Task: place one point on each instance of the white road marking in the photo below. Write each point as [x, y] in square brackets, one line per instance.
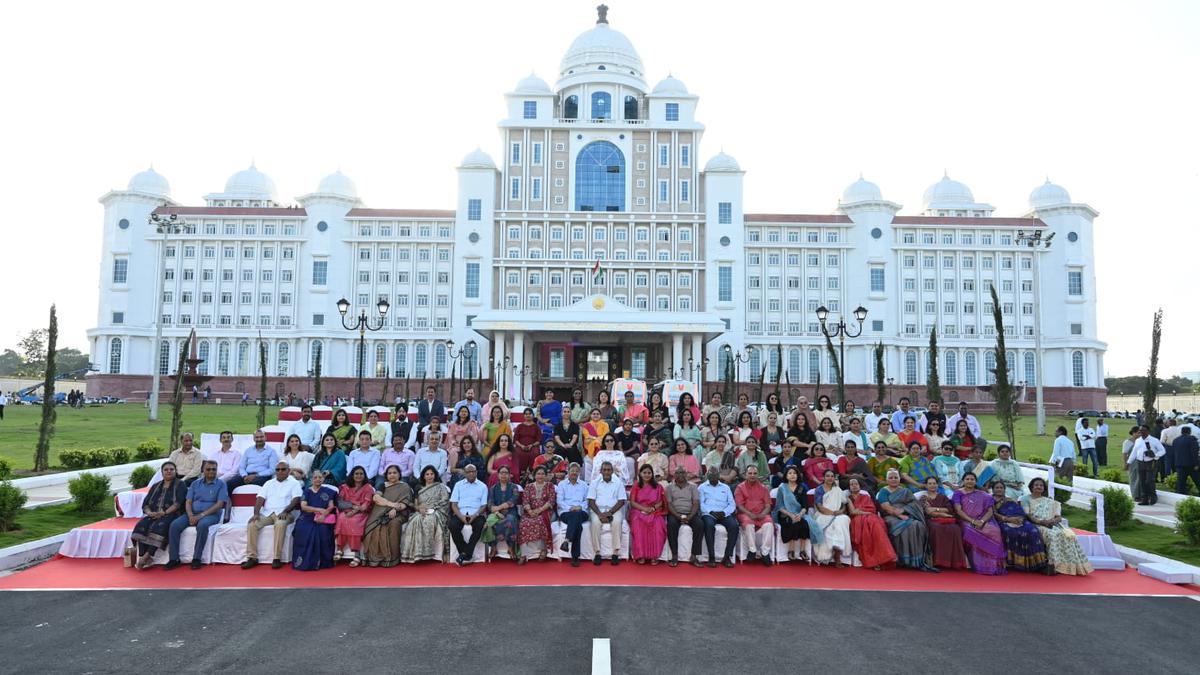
[601, 656]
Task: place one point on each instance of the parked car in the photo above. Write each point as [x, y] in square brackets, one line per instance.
[1088, 413]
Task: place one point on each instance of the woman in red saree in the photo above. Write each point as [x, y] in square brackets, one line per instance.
[868, 532]
[647, 528]
[945, 536]
[816, 465]
[354, 503]
[537, 505]
[501, 456]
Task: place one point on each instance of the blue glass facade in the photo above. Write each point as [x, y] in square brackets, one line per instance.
[600, 178]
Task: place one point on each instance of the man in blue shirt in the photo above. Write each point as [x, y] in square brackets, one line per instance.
[572, 510]
[206, 500]
[258, 463]
[468, 502]
[717, 507]
[472, 406]
[899, 416]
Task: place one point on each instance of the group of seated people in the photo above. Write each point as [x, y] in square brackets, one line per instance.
[828, 489]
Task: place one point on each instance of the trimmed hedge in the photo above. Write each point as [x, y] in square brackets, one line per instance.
[94, 458]
[1036, 459]
[12, 501]
[1187, 517]
[89, 491]
[141, 476]
[148, 449]
[1112, 476]
[5, 469]
[1118, 506]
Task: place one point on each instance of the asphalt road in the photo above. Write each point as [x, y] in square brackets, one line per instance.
[550, 630]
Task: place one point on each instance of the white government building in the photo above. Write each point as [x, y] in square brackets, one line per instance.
[600, 245]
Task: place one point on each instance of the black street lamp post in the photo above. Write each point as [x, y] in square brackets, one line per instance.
[841, 331]
[362, 324]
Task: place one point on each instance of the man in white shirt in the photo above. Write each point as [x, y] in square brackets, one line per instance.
[278, 499]
[606, 498]
[962, 414]
[1147, 450]
[466, 502]
[717, 507]
[308, 429]
[1102, 441]
[872, 418]
[365, 456]
[1087, 446]
[434, 456]
[3, 402]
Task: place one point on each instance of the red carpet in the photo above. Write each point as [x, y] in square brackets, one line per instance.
[70, 573]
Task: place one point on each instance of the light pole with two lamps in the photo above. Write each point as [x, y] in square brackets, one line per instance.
[166, 226]
[362, 324]
[465, 352]
[841, 331]
[1034, 240]
[738, 360]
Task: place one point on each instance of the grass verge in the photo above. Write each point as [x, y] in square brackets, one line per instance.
[48, 521]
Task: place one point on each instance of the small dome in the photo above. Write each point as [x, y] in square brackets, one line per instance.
[861, 190]
[722, 162]
[338, 183]
[251, 183]
[1048, 194]
[150, 182]
[477, 159]
[948, 193]
[532, 85]
[671, 87]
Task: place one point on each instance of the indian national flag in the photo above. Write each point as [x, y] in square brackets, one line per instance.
[597, 273]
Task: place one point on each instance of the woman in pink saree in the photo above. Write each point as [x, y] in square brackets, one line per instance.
[647, 528]
[981, 533]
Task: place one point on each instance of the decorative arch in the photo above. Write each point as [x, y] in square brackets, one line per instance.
[1077, 372]
[600, 178]
[114, 355]
[631, 108]
[571, 108]
[282, 357]
[202, 353]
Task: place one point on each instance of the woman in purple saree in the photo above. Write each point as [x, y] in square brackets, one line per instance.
[981, 534]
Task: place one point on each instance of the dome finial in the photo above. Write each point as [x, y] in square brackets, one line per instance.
[945, 173]
[602, 14]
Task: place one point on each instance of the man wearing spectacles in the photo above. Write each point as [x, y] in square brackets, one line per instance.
[279, 499]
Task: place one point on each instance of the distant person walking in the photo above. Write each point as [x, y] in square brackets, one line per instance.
[3, 402]
[245, 398]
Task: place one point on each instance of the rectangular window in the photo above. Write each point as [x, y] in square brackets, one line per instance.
[685, 191]
[516, 153]
[672, 112]
[725, 284]
[320, 272]
[535, 189]
[664, 155]
[685, 155]
[472, 280]
[120, 270]
[537, 154]
[474, 209]
[877, 285]
[515, 189]
[529, 111]
[664, 193]
[1074, 282]
[725, 213]
[118, 317]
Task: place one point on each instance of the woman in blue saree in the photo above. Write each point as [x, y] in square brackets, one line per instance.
[981, 534]
[502, 519]
[163, 502]
[1022, 540]
[331, 461]
[312, 537]
[905, 518]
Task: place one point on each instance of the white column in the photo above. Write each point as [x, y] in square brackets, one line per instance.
[531, 361]
[518, 363]
[697, 357]
[676, 353]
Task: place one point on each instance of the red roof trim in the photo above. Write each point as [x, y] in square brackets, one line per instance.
[230, 211]
[400, 213]
[794, 218]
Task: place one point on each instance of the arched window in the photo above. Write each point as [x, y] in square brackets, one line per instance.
[910, 366]
[243, 358]
[314, 353]
[439, 360]
[202, 353]
[114, 356]
[970, 373]
[755, 365]
[222, 358]
[631, 108]
[401, 368]
[773, 366]
[794, 365]
[380, 360]
[1077, 369]
[601, 105]
[571, 108]
[1030, 370]
[814, 365]
[600, 178]
[164, 357]
[282, 354]
[951, 367]
[989, 366]
[420, 363]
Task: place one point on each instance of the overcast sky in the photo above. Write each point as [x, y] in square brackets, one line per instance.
[1099, 96]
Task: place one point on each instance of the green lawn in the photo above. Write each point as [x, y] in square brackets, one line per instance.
[1134, 534]
[50, 520]
[111, 426]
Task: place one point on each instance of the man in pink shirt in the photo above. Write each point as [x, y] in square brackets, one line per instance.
[753, 501]
[229, 461]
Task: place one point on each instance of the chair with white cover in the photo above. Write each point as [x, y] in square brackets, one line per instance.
[230, 545]
[477, 556]
[586, 552]
[243, 507]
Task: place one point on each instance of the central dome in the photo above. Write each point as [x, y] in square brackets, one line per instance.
[250, 183]
[948, 193]
[601, 55]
